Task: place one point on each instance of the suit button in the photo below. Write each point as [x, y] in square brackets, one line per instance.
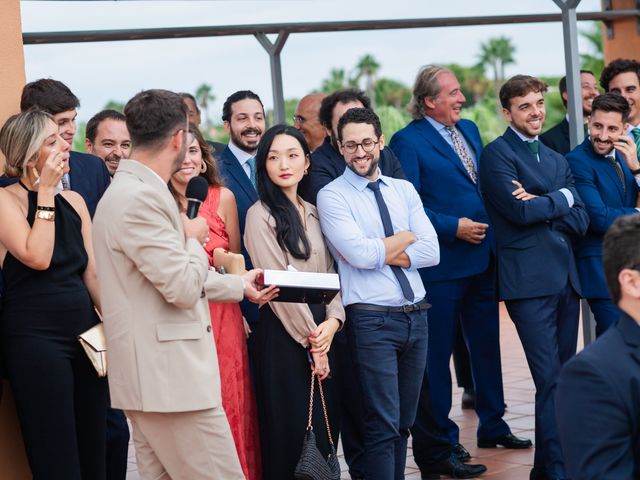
[562, 240]
[208, 328]
[202, 294]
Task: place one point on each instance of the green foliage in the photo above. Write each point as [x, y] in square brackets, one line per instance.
[205, 97]
[497, 53]
[483, 114]
[78, 139]
[392, 119]
[554, 108]
[473, 83]
[392, 93]
[594, 60]
[337, 80]
[114, 105]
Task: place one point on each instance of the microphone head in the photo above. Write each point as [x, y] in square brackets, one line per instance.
[197, 189]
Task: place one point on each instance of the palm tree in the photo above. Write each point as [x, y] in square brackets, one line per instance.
[497, 53]
[367, 68]
[337, 80]
[205, 97]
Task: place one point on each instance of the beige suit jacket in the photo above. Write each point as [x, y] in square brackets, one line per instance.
[161, 351]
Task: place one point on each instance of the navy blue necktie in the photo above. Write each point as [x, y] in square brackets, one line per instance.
[407, 291]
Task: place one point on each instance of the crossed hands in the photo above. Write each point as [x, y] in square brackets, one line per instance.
[320, 342]
[520, 193]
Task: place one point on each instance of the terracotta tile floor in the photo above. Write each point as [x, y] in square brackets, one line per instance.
[502, 464]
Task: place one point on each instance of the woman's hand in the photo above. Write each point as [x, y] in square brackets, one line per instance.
[52, 170]
[320, 365]
[322, 336]
[247, 328]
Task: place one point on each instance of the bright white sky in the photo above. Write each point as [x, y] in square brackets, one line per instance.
[99, 72]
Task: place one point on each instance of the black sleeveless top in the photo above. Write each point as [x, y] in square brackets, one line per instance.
[57, 293]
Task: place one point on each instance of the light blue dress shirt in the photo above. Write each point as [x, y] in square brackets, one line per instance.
[351, 223]
[565, 191]
[444, 133]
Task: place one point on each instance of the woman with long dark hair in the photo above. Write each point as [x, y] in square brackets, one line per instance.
[281, 231]
[220, 212]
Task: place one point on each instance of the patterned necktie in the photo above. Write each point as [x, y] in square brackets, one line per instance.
[534, 146]
[252, 168]
[635, 133]
[407, 291]
[616, 166]
[466, 159]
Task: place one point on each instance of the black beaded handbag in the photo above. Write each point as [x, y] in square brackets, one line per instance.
[312, 466]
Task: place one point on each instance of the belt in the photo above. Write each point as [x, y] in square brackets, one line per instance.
[414, 307]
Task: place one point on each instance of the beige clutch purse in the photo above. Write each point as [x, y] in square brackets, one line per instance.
[94, 343]
[230, 262]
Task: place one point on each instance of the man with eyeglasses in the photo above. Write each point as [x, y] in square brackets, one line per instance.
[439, 152]
[379, 236]
[306, 119]
[327, 163]
[598, 394]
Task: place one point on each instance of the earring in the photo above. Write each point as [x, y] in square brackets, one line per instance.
[203, 167]
[306, 170]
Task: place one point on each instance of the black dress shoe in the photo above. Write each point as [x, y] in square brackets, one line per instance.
[468, 399]
[507, 441]
[539, 473]
[451, 467]
[461, 452]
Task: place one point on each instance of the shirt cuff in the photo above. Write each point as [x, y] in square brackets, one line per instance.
[637, 179]
[568, 195]
[637, 209]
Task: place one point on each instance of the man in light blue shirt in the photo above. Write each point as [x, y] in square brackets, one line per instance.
[380, 235]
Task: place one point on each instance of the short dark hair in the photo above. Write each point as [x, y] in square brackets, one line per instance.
[190, 97]
[519, 86]
[562, 85]
[621, 249]
[612, 102]
[618, 66]
[51, 96]
[154, 115]
[341, 96]
[92, 125]
[236, 97]
[360, 115]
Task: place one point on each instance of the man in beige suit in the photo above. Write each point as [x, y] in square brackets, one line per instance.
[155, 282]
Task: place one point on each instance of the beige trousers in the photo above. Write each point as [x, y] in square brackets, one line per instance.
[184, 446]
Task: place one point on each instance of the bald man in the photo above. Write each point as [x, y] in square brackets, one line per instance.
[306, 119]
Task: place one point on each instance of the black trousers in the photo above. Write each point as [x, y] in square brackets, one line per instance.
[61, 404]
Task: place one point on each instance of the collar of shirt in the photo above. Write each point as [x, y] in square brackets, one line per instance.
[440, 127]
[522, 136]
[360, 183]
[241, 155]
[631, 127]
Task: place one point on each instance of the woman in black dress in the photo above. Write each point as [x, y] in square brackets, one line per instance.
[283, 230]
[50, 293]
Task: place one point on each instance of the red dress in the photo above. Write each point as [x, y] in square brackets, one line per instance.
[238, 399]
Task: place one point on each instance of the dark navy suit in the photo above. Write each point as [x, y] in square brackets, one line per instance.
[605, 200]
[557, 137]
[236, 180]
[461, 288]
[598, 406]
[537, 275]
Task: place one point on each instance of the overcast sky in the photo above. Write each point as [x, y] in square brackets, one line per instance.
[99, 72]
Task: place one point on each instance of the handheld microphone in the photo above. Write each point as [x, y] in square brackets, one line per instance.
[196, 193]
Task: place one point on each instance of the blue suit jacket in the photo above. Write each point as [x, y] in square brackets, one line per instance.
[604, 199]
[534, 238]
[447, 193]
[88, 175]
[598, 406]
[236, 180]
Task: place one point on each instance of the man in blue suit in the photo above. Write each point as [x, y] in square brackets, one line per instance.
[537, 214]
[604, 169]
[244, 121]
[439, 153]
[598, 393]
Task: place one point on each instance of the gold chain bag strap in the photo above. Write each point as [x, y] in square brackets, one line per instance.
[94, 343]
[312, 466]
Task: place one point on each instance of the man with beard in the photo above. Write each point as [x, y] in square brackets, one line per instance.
[537, 213]
[107, 137]
[439, 152]
[327, 163]
[380, 235]
[557, 137]
[622, 76]
[604, 168]
[307, 119]
[244, 121]
[154, 286]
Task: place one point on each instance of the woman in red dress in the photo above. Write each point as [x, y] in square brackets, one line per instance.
[229, 331]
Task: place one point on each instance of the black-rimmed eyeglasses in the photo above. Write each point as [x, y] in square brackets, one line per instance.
[368, 144]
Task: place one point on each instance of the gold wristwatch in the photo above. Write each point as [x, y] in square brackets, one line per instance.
[48, 215]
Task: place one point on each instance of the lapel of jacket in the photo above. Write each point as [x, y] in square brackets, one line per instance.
[545, 170]
[604, 165]
[434, 138]
[630, 331]
[77, 173]
[233, 168]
